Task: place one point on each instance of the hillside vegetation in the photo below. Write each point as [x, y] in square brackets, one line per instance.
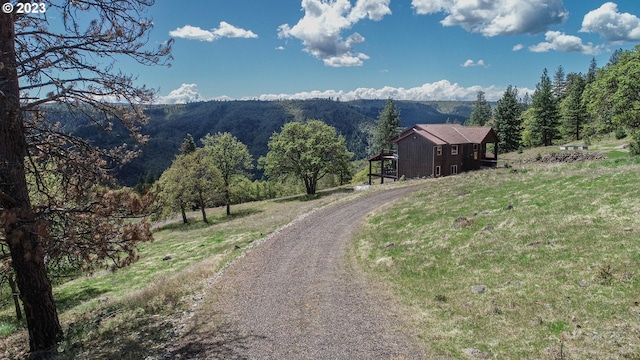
[252, 122]
[536, 261]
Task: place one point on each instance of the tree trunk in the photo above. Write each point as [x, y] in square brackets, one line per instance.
[204, 214]
[16, 296]
[227, 196]
[24, 233]
[184, 215]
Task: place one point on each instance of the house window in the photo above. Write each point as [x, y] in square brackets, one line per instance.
[475, 146]
[454, 169]
[454, 149]
[438, 171]
[438, 150]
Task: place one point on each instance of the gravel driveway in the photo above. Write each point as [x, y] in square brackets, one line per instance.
[299, 296]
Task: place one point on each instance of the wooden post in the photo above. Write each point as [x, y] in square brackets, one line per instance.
[369, 172]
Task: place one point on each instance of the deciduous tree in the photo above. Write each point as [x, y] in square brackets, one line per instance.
[67, 54]
[231, 157]
[192, 179]
[613, 98]
[307, 151]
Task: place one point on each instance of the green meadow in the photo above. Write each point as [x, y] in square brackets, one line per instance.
[535, 261]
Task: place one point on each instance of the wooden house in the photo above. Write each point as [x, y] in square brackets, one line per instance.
[434, 150]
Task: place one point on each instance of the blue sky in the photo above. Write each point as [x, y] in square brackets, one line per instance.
[404, 49]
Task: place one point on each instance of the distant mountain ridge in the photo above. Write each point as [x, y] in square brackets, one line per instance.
[253, 122]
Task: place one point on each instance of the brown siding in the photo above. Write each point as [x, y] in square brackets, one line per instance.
[415, 157]
[471, 158]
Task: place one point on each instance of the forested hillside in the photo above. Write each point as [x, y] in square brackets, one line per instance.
[252, 122]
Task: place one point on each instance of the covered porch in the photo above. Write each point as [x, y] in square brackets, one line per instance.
[388, 165]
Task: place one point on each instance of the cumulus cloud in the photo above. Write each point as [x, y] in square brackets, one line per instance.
[558, 41]
[471, 63]
[439, 90]
[518, 47]
[321, 27]
[498, 17]
[223, 30]
[612, 25]
[186, 93]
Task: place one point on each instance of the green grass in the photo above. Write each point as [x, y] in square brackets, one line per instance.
[556, 246]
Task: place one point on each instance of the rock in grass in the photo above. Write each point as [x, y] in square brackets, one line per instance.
[475, 353]
[168, 257]
[389, 244]
[478, 289]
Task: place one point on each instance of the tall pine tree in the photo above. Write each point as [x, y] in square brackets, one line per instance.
[559, 83]
[507, 121]
[572, 110]
[481, 112]
[388, 126]
[546, 113]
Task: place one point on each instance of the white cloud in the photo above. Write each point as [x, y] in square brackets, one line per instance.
[439, 90]
[518, 47]
[192, 33]
[497, 17]
[558, 41]
[227, 30]
[321, 27]
[612, 25]
[471, 63]
[186, 93]
[224, 30]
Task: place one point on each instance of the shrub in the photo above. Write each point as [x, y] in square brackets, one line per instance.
[620, 133]
[634, 144]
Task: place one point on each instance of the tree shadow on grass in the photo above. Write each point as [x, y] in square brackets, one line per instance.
[133, 335]
[197, 223]
[70, 300]
[317, 195]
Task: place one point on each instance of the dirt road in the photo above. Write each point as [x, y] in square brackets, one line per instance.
[299, 296]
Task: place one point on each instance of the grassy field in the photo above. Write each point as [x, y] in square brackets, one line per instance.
[538, 261]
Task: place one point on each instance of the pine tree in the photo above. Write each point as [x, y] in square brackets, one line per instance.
[69, 56]
[481, 112]
[188, 145]
[559, 83]
[388, 126]
[507, 121]
[546, 114]
[591, 74]
[572, 109]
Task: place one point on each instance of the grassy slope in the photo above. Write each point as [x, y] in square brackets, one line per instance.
[132, 312]
[555, 245]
